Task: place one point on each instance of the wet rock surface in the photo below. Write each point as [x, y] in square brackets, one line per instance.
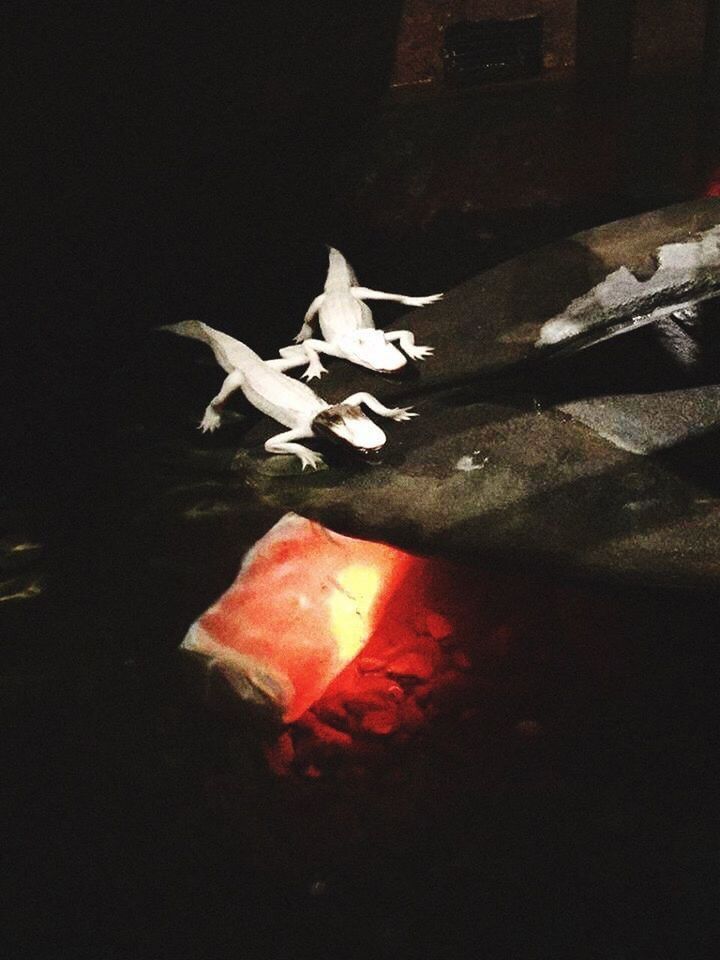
[495, 319]
[644, 423]
[546, 490]
[540, 466]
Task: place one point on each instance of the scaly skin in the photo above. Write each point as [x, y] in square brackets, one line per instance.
[289, 402]
[348, 329]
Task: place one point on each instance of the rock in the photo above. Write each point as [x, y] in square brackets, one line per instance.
[412, 716]
[411, 667]
[322, 732]
[369, 701]
[332, 710]
[555, 495]
[412, 643]
[636, 422]
[301, 608]
[370, 664]
[438, 626]
[495, 319]
[280, 466]
[381, 722]
[393, 637]
[681, 272]
[280, 755]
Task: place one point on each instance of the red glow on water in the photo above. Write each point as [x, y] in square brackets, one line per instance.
[712, 186]
[387, 690]
[355, 643]
[368, 654]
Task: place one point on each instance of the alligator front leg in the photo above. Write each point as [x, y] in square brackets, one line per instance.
[365, 293]
[406, 339]
[211, 419]
[283, 443]
[393, 413]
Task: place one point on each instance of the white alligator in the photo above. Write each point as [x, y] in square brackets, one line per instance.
[287, 400]
[347, 327]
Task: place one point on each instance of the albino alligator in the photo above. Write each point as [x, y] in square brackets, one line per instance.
[286, 400]
[347, 326]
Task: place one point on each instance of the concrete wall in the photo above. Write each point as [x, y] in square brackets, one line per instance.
[668, 34]
[418, 57]
[665, 34]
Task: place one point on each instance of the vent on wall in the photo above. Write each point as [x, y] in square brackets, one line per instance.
[490, 50]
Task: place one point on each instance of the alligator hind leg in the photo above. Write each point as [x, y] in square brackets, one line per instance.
[211, 419]
[306, 328]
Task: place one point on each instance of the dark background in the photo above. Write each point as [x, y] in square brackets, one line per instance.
[168, 161]
[173, 160]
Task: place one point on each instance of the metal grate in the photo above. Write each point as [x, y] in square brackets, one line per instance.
[489, 50]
